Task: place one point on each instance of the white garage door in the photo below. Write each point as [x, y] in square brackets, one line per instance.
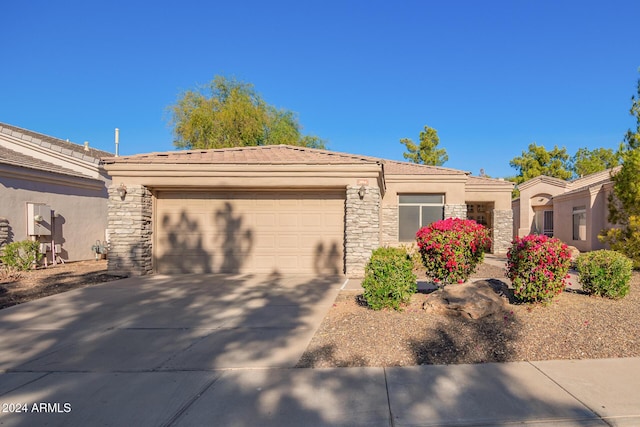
[244, 232]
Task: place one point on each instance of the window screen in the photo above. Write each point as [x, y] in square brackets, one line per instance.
[416, 211]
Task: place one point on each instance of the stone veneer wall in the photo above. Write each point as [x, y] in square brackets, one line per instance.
[455, 211]
[130, 231]
[389, 235]
[5, 231]
[362, 229]
[502, 230]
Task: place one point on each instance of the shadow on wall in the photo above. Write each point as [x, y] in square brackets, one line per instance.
[328, 260]
[183, 249]
[184, 242]
[234, 242]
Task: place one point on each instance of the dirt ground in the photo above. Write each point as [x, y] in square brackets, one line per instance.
[574, 326]
[45, 281]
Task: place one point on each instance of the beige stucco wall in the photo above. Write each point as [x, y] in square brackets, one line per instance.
[596, 206]
[81, 206]
[535, 194]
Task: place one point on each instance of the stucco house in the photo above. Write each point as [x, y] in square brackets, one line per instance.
[52, 190]
[573, 211]
[279, 209]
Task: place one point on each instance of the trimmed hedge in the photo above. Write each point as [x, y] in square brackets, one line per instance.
[605, 273]
[389, 281]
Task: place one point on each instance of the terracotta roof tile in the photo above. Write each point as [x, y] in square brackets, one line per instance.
[480, 180]
[279, 154]
[393, 167]
[13, 158]
[269, 154]
[65, 147]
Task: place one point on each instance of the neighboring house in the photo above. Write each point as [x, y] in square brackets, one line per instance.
[573, 211]
[280, 209]
[52, 190]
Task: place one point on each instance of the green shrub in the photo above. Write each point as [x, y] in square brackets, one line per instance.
[389, 281]
[605, 273]
[625, 240]
[21, 255]
[452, 248]
[537, 266]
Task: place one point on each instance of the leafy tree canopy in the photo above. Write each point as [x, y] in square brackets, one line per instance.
[539, 161]
[427, 152]
[624, 203]
[586, 161]
[229, 113]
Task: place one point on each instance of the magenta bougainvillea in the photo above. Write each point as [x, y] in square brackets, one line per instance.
[452, 248]
[537, 266]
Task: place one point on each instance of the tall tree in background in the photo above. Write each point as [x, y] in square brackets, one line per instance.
[539, 161]
[229, 113]
[586, 161]
[624, 202]
[427, 152]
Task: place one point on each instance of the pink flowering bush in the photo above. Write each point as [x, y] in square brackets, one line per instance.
[537, 266]
[452, 248]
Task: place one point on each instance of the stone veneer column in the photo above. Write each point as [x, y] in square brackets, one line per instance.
[5, 230]
[455, 211]
[502, 230]
[362, 229]
[389, 225]
[130, 230]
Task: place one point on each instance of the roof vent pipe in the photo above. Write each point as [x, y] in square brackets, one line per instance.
[117, 140]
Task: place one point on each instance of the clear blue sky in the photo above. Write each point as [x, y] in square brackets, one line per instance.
[490, 76]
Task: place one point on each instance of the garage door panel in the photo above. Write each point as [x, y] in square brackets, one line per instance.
[249, 232]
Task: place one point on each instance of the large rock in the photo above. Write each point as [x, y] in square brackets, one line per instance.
[474, 300]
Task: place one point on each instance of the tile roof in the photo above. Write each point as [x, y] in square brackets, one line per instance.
[267, 154]
[278, 154]
[480, 180]
[586, 187]
[91, 155]
[13, 158]
[393, 167]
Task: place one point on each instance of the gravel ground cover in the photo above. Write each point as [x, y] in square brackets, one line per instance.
[574, 326]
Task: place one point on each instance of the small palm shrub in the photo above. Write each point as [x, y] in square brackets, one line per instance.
[389, 281]
[605, 273]
[451, 249]
[537, 266]
[21, 255]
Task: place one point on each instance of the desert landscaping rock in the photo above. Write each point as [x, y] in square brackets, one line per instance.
[475, 300]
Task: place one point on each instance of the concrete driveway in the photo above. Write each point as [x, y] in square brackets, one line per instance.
[157, 323]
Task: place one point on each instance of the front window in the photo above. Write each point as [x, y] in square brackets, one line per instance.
[580, 223]
[417, 210]
[544, 223]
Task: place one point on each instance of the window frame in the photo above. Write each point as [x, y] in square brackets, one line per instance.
[420, 206]
[580, 212]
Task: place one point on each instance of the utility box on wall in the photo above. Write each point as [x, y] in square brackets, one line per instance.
[38, 219]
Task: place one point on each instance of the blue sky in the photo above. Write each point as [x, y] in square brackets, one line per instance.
[491, 76]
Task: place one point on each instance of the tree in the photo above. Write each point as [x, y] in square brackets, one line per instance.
[426, 153]
[538, 161]
[586, 161]
[229, 113]
[624, 202]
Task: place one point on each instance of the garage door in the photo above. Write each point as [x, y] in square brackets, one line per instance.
[244, 232]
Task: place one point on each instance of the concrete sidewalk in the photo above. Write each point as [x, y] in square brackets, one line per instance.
[553, 393]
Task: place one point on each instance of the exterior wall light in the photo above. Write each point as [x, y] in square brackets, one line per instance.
[361, 192]
[122, 191]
